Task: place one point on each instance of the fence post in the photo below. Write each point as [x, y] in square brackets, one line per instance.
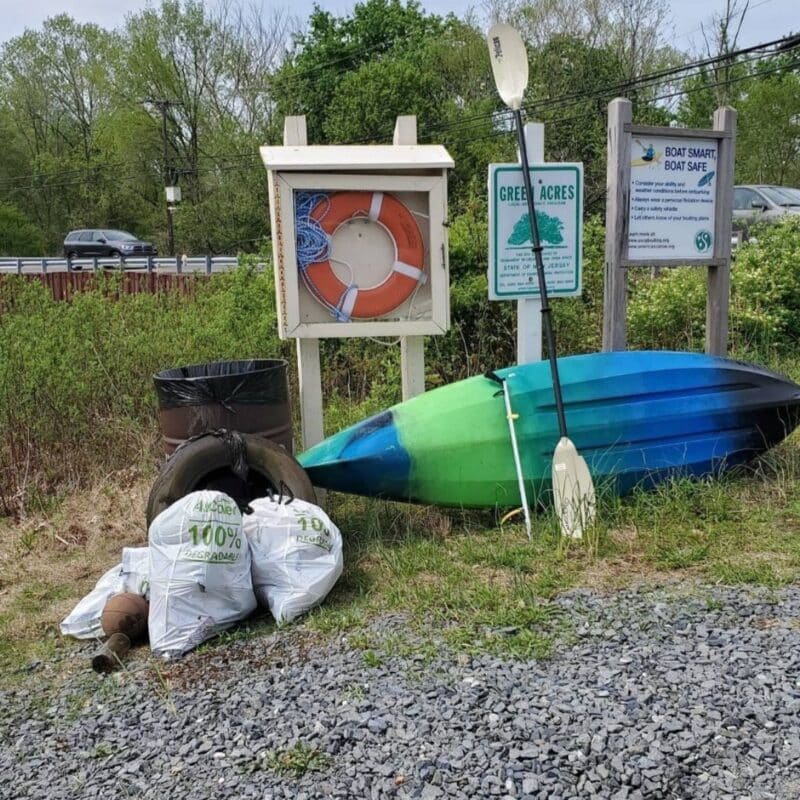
[618, 186]
[19, 266]
[719, 277]
[412, 348]
[529, 309]
[308, 363]
[208, 265]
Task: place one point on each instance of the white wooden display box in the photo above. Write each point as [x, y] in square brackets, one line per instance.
[357, 168]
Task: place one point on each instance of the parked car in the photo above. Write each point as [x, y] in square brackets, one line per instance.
[102, 242]
[761, 203]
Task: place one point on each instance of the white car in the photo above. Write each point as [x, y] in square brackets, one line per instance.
[760, 203]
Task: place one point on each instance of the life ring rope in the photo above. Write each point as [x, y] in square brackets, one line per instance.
[319, 215]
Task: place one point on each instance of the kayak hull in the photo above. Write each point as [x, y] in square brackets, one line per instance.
[637, 417]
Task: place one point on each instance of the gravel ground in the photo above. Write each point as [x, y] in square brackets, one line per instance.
[657, 695]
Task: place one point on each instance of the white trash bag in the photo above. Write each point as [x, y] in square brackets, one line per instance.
[296, 552]
[200, 580]
[136, 570]
[129, 576]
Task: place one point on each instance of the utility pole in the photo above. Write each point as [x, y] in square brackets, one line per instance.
[167, 172]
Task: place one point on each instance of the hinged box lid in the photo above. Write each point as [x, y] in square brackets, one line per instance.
[353, 158]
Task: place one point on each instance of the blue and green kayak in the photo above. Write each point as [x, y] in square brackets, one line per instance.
[637, 418]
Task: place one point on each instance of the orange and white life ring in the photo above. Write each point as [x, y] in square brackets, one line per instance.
[406, 272]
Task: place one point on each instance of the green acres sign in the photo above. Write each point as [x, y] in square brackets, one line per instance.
[559, 214]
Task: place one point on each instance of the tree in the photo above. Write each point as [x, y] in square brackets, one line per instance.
[367, 101]
[633, 30]
[768, 139]
[56, 89]
[575, 129]
[721, 39]
[334, 48]
[18, 235]
[207, 74]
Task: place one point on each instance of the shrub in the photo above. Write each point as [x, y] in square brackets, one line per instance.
[669, 312]
[76, 394]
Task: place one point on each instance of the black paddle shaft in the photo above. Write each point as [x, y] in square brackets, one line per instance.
[547, 323]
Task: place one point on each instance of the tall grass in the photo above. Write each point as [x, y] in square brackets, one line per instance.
[76, 394]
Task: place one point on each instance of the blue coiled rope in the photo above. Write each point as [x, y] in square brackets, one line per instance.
[314, 245]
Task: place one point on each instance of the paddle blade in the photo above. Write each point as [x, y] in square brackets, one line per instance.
[509, 64]
[573, 490]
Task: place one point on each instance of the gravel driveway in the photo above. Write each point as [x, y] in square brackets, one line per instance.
[658, 694]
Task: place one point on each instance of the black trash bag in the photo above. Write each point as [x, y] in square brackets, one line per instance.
[252, 381]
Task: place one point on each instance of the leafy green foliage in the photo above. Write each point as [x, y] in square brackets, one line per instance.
[367, 56]
[768, 140]
[765, 288]
[669, 312]
[76, 394]
[367, 101]
[566, 65]
[18, 235]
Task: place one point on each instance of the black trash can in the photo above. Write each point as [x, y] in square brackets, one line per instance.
[250, 396]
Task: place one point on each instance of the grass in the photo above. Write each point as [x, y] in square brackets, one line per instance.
[50, 559]
[454, 578]
[294, 761]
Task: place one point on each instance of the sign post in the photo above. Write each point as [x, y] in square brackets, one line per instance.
[512, 269]
[669, 204]
[529, 309]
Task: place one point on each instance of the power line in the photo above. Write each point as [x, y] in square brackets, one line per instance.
[677, 93]
[640, 82]
[566, 101]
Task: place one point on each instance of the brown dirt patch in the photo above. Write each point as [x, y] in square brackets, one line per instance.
[49, 561]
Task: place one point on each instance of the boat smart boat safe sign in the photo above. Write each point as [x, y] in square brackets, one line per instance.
[673, 191]
[558, 200]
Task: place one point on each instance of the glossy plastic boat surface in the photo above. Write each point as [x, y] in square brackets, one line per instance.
[637, 417]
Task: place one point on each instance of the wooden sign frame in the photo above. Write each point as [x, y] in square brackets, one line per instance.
[621, 132]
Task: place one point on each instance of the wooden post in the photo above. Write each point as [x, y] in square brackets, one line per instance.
[618, 186]
[412, 348]
[308, 364]
[529, 309]
[719, 277]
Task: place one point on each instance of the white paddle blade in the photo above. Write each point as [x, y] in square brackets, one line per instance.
[573, 490]
[509, 63]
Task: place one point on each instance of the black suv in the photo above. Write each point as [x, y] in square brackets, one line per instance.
[102, 242]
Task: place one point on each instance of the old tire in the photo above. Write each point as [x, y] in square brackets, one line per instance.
[194, 464]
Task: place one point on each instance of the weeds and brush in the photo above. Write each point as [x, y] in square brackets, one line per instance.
[164, 688]
[454, 578]
[293, 762]
[79, 445]
[76, 398]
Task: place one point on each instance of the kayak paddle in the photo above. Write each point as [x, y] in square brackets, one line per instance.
[573, 489]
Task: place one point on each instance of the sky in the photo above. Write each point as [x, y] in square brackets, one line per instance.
[766, 19]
